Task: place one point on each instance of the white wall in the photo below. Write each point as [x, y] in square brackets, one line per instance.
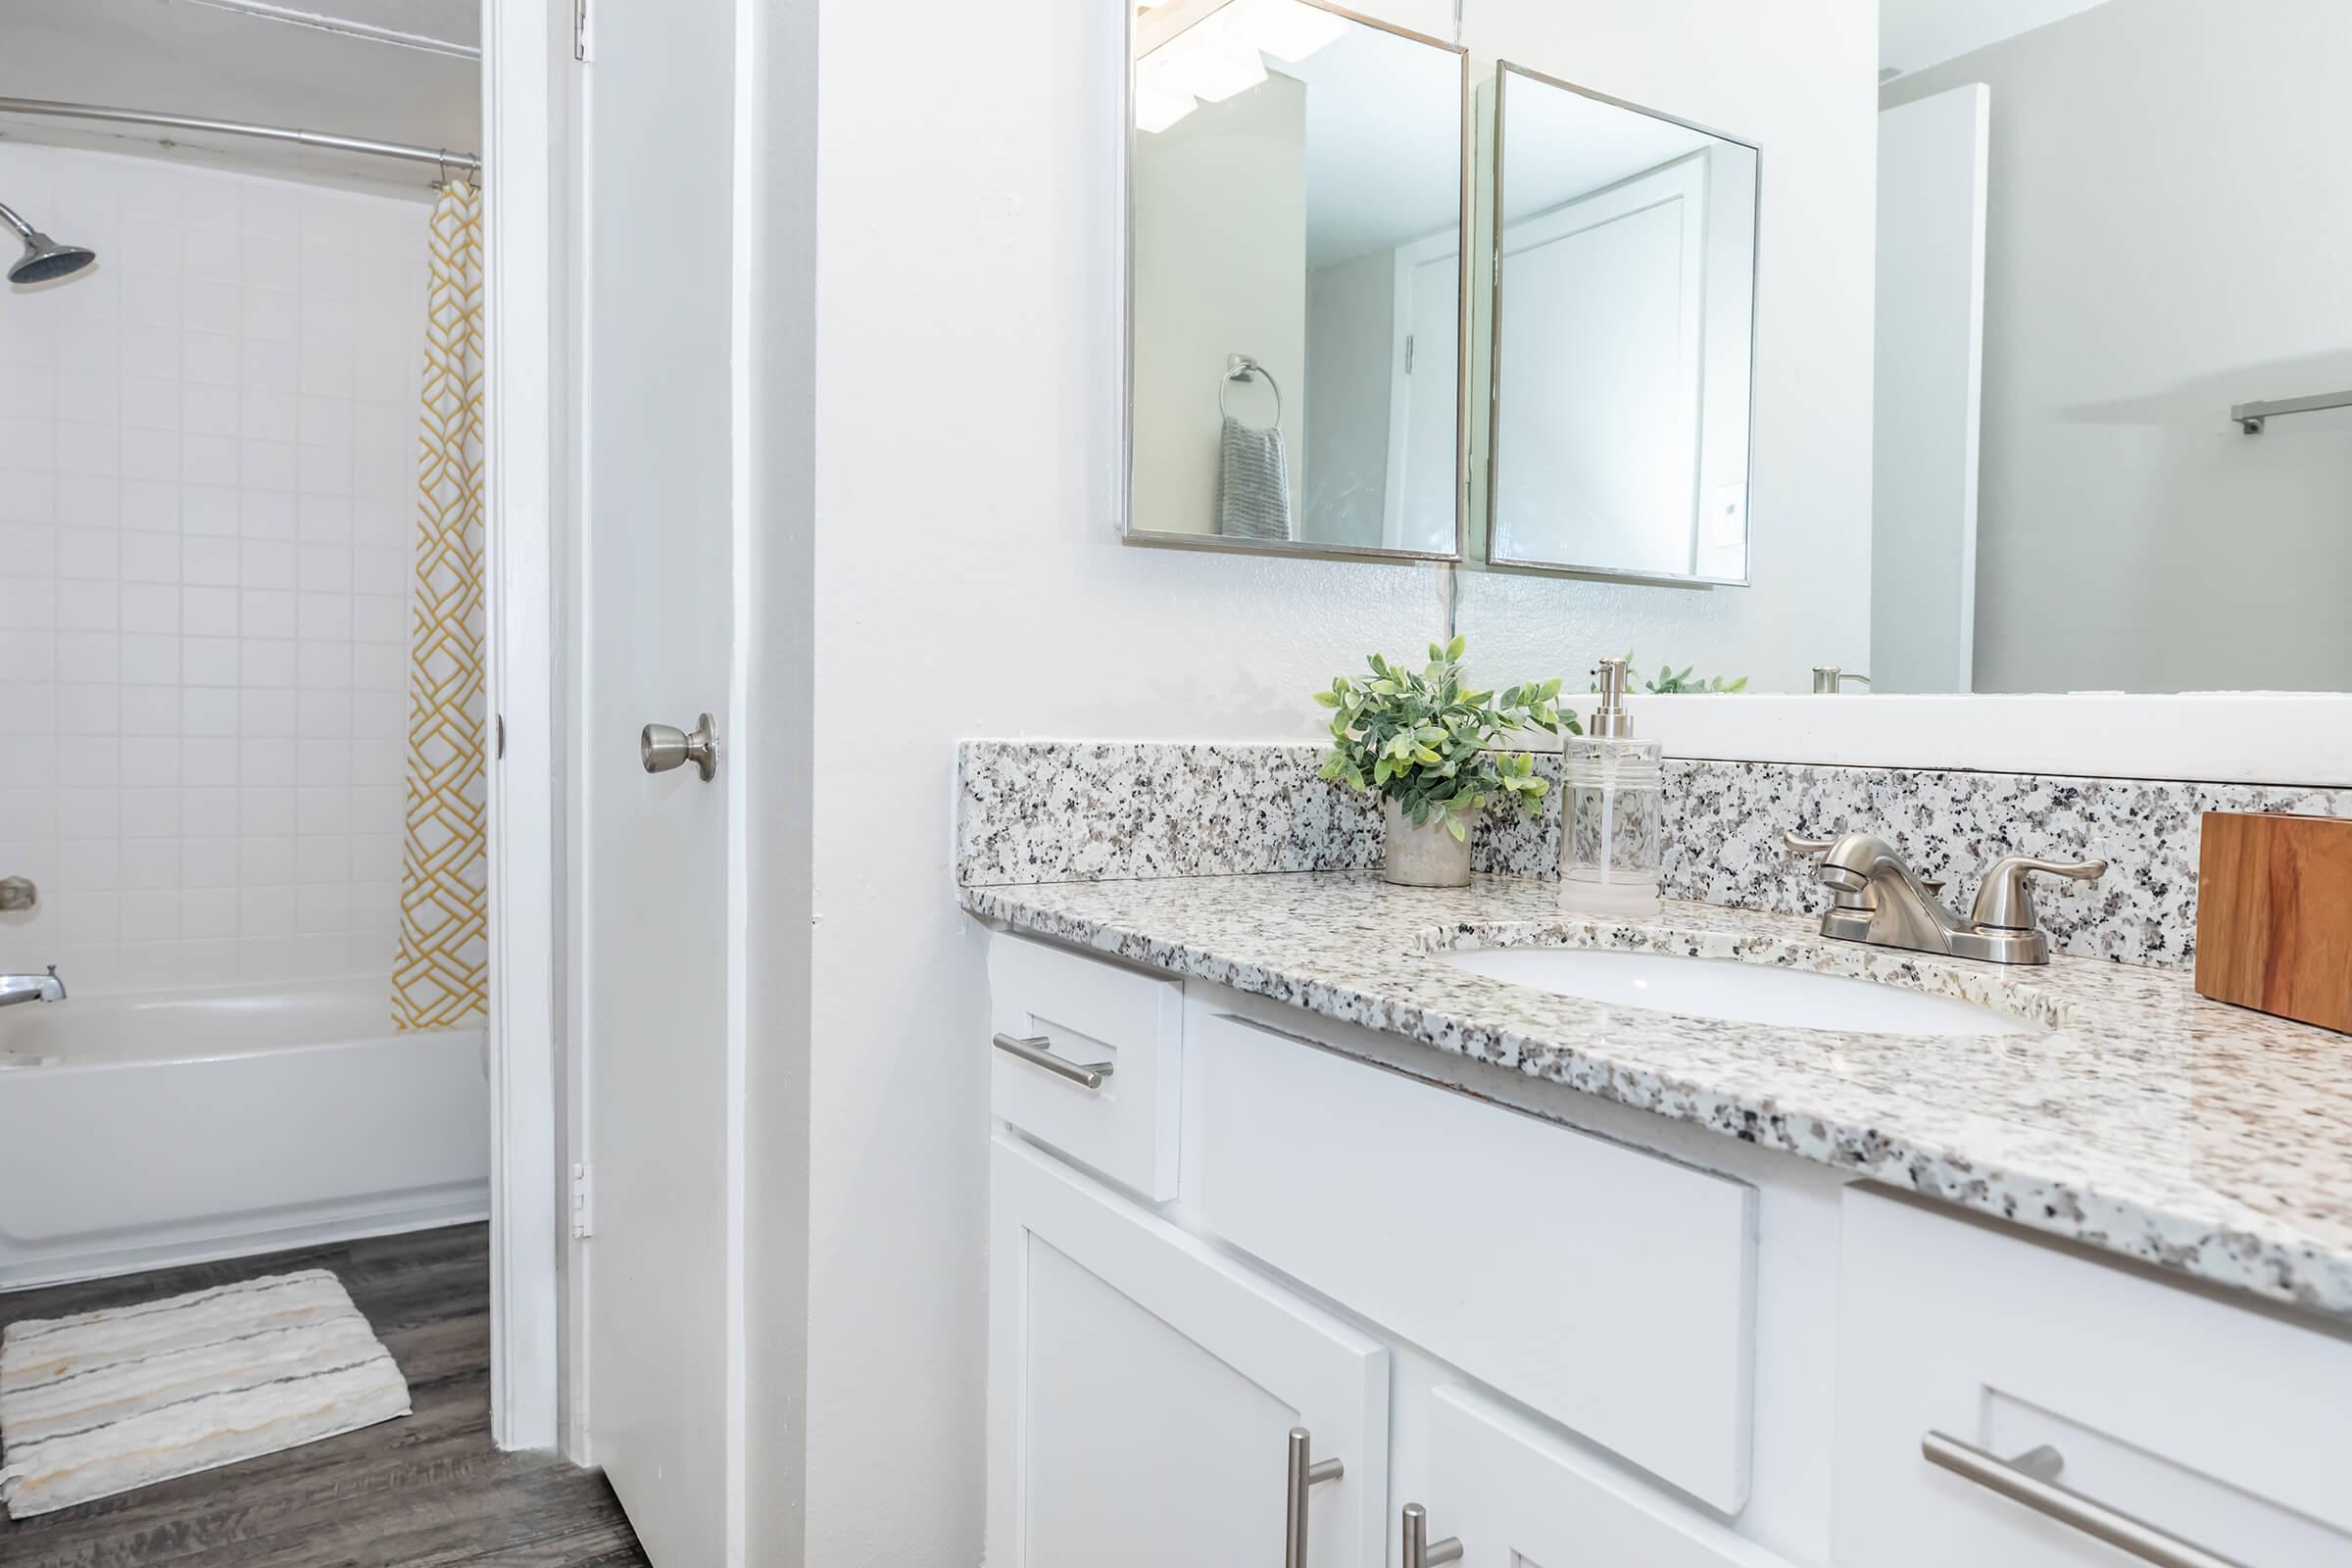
[2146, 267]
[1350, 350]
[277, 70]
[206, 474]
[966, 315]
[967, 319]
[1931, 355]
[1220, 269]
[1799, 83]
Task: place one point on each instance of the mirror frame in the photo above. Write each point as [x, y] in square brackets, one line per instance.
[1504, 70]
[1187, 12]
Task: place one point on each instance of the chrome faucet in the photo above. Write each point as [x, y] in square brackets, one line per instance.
[1882, 902]
[16, 988]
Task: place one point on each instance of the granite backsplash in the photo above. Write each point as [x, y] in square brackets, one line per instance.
[1060, 812]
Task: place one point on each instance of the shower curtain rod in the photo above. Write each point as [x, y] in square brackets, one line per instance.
[448, 160]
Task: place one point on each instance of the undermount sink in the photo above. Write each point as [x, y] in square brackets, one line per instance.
[1735, 991]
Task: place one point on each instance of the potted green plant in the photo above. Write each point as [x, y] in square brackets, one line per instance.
[1422, 741]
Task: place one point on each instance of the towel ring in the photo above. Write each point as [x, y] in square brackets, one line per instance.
[1241, 367]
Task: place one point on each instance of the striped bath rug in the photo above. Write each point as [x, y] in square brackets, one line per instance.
[104, 1401]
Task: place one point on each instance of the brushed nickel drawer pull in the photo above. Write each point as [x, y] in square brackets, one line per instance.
[1306, 1471]
[1419, 1551]
[1038, 1051]
[2028, 1479]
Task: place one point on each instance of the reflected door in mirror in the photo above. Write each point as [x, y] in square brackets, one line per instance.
[1623, 325]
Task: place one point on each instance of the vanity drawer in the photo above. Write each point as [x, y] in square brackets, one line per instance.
[1605, 1288]
[1087, 1013]
[2223, 1424]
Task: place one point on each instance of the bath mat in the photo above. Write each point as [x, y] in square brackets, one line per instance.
[104, 1401]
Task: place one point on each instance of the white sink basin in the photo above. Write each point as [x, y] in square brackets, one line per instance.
[1736, 992]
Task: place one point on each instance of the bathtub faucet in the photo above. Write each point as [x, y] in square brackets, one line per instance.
[16, 988]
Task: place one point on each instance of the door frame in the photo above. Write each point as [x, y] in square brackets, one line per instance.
[1410, 258]
[525, 113]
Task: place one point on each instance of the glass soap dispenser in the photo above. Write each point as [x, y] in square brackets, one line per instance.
[1613, 814]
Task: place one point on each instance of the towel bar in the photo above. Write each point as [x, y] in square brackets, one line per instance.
[1241, 367]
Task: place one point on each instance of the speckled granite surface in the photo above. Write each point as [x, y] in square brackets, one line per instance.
[1052, 811]
[2147, 1121]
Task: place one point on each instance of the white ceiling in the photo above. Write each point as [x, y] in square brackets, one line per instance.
[1914, 34]
[451, 21]
[252, 61]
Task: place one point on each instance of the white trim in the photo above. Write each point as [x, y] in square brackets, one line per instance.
[2287, 738]
[2301, 738]
[519, 273]
[749, 172]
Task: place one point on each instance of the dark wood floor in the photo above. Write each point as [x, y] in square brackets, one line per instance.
[428, 1488]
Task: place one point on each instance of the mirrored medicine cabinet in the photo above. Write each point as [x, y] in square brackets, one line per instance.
[2034, 384]
[1326, 357]
[1297, 280]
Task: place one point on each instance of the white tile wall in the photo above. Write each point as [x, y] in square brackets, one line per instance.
[207, 454]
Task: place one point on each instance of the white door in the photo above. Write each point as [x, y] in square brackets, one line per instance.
[1143, 1386]
[1598, 408]
[1518, 1495]
[1932, 172]
[1424, 396]
[656, 642]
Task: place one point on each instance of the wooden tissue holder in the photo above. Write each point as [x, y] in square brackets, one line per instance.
[2275, 916]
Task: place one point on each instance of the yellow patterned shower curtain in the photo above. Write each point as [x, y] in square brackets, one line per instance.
[441, 973]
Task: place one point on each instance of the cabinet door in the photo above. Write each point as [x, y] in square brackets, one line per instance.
[1517, 1495]
[1143, 1388]
[2206, 1422]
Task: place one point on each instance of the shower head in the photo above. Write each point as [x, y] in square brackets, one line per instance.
[45, 258]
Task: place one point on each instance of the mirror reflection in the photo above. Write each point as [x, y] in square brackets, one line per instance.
[1295, 294]
[1624, 313]
[2054, 363]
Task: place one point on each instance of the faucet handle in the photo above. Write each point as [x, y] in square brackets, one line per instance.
[2005, 901]
[1812, 847]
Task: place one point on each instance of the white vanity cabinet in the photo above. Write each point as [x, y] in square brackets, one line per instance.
[1330, 1222]
[2191, 1423]
[1144, 1388]
[1215, 1222]
[1518, 1495]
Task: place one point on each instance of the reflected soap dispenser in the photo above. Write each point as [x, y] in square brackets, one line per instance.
[1612, 811]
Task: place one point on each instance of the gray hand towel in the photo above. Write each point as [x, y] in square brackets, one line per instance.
[1253, 483]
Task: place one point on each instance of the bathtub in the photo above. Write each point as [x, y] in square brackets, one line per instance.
[175, 1127]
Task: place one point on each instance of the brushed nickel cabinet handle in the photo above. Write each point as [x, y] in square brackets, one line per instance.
[1419, 1551]
[1305, 1472]
[2029, 1479]
[1038, 1051]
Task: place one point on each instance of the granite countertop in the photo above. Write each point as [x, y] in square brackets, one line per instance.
[2146, 1120]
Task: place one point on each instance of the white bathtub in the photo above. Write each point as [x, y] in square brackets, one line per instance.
[174, 1127]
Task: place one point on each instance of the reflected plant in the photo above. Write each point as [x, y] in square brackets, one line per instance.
[1421, 738]
[1671, 682]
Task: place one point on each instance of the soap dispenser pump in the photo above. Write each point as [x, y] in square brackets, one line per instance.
[1612, 811]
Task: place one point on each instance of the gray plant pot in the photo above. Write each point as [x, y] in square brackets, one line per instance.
[1423, 857]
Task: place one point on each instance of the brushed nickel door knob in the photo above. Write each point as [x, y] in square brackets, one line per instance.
[665, 746]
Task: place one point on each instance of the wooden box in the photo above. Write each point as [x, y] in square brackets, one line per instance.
[2275, 916]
